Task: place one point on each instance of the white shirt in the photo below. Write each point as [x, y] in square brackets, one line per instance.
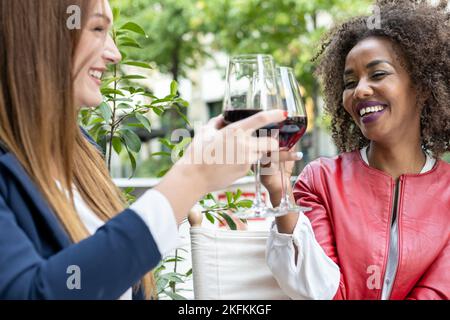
[313, 275]
[153, 208]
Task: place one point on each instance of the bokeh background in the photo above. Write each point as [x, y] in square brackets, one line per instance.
[190, 41]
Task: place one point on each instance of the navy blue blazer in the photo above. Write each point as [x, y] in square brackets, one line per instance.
[36, 254]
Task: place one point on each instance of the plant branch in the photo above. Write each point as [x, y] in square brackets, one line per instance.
[113, 127]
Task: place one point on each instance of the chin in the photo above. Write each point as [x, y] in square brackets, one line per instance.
[92, 101]
[374, 136]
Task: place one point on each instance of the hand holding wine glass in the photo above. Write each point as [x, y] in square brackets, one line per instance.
[272, 182]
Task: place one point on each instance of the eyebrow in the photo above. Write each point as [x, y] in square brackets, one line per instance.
[100, 15]
[369, 65]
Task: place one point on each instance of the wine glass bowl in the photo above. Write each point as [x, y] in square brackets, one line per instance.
[292, 129]
[251, 87]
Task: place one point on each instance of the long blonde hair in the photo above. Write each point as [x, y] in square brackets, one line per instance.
[38, 118]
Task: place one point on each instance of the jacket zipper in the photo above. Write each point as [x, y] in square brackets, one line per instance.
[393, 222]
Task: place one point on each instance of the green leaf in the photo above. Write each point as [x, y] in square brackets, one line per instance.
[133, 125]
[124, 106]
[183, 116]
[102, 135]
[177, 259]
[158, 111]
[182, 102]
[123, 99]
[94, 131]
[167, 143]
[179, 148]
[162, 101]
[106, 91]
[116, 13]
[125, 38]
[97, 120]
[209, 196]
[232, 206]
[121, 33]
[150, 95]
[161, 284]
[237, 195]
[229, 197]
[144, 120]
[128, 190]
[123, 54]
[174, 88]
[133, 77]
[131, 140]
[245, 203]
[172, 276]
[134, 27]
[166, 154]
[209, 217]
[129, 44]
[105, 111]
[117, 144]
[108, 81]
[189, 272]
[162, 173]
[229, 220]
[138, 64]
[85, 116]
[132, 161]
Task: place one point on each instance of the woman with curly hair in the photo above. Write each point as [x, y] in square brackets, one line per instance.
[379, 224]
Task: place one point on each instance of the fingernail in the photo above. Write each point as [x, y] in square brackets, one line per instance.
[299, 155]
[285, 113]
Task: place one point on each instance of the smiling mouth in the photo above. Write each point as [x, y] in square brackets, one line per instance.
[96, 75]
[364, 112]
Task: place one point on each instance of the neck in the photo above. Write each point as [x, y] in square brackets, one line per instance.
[396, 159]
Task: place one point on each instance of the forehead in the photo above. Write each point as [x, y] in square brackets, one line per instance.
[371, 49]
[102, 7]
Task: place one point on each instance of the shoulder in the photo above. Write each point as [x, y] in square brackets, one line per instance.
[90, 139]
[332, 165]
[442, 170]
[444, 167]
[325, 170]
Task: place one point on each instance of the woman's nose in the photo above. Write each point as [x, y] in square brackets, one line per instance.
[111, 53]
[362, 90]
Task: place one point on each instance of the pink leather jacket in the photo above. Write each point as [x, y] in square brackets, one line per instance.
[353, 206]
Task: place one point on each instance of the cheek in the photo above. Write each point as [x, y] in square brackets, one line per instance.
[347, 101]
[86, 94]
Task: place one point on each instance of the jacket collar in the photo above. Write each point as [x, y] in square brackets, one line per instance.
[33, 195]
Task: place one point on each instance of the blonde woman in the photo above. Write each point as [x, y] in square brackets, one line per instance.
[60, 213]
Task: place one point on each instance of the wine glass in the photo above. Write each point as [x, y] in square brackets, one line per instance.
[251, 87]
[291, 130]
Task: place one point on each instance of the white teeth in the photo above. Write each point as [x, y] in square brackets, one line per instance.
[364, 111]
[96, 74]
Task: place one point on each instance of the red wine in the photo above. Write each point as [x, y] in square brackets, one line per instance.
[291, 130]
[231, 116]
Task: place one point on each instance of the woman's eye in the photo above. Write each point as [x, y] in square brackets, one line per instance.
[349, 84]
[378, 75]
[99, 29]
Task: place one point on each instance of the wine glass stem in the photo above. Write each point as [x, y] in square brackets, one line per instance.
[285, 202]
[258, 204]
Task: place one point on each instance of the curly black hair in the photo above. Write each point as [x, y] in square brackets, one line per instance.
[421, 32]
